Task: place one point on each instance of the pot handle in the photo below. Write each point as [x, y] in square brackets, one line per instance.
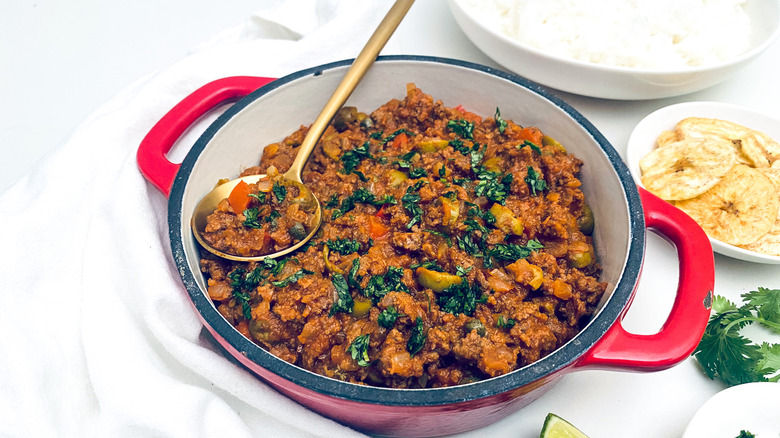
[690, 312]
[151, 157]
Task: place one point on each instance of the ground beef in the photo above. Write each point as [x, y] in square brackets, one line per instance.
[451, 250]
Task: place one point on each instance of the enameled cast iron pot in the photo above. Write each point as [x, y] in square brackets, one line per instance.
[268, 110]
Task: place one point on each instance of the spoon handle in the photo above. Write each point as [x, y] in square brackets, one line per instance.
[355, 73]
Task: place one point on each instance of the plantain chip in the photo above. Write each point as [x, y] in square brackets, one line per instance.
[755, 148]
[666, 138]
[741, 208]
[761, 149]
[769, 243]
[774, 174]
[686, 168]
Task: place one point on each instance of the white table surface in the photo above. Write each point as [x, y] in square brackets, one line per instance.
[70, 57]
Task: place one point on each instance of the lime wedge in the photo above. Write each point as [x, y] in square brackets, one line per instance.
[557, 427]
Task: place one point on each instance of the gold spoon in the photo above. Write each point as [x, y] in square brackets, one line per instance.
[293, 176]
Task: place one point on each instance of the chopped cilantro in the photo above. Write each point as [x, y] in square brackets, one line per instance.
[462, 127]
[242, 283]
[459, 146]
[396, 134]
[343, 246]
[376, 135]
[260, 196]
[352, 278]
[461, 272]
[359, 350]
[476, 156]
[244, 298]
[500, 122]
[271, 218]
[410, 203]
[467, 244]
[418, 172]
[344, 300]
[459, 298]
[416, 337]
[275, 266]
[361, 195]
[387, 199]
[490, 186]
[352, 158]
[532, 145]
[280, 192]
[432, 265]
[472, 225]
[535, 181]
[512, 252]
[380, 285]
[292, 278]
[505, 323]
[446, 236]
[333, 202]
[460, 181]
[251, 219]
[404, 161]
[387, 318]
[486, 215]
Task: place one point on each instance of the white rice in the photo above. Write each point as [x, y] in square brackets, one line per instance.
[666, 34]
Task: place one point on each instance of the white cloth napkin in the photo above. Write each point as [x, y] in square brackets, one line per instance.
[97, 336]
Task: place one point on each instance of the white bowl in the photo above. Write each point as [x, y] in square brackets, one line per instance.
[751, 406]
[613, 82]
[643, 139]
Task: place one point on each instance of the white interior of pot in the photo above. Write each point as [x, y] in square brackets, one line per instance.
[238, 143]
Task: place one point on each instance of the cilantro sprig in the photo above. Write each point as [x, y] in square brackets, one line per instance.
[725, 354]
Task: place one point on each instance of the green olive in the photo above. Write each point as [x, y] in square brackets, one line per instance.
[580, 260]
[506, 221]
[585, 221]
[367, 123]
[344, 116]
[549, 141]
[432, 145]
[477, 325]
[395, 178]
[435, 280]
[260, 330]
[361, 307]
[298, 231]
[451, 209]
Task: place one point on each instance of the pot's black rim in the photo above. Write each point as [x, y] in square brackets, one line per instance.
[556, 361]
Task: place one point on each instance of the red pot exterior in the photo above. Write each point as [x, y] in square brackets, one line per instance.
[404, 421]
[603, 343]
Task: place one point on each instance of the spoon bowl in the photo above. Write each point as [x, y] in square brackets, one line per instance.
[293, 175]
[209, 203]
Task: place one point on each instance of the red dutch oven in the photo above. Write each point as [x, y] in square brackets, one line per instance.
[267, 110]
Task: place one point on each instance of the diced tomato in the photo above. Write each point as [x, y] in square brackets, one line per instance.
[471, 117]
[400, 140]
[381, 212]
[531, 134]
[376, 228]
[239, 197]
